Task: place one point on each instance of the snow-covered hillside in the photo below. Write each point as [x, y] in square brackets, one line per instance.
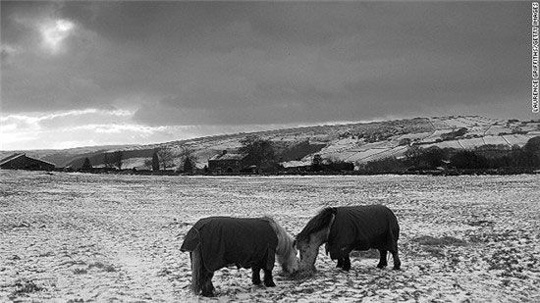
[355, 143]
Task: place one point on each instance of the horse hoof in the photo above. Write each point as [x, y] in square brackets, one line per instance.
[270, 284]
[381, 266]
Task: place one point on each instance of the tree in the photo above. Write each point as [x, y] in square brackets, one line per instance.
[108, 160]
[532, 149]
[155, 161]
[166, 157]
[188, 165]
[260, 152]
[117, 159]
[316, 163]
[405, 141]
[433, 157]
[412, 156]
[86, 165]
[429, 158]
[148, 163]
[533, 146]
[337, 165]
[381, 166]
[188, 159]
[469, 160]
[113, 159]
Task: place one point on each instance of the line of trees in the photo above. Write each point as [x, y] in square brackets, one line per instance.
[111, 161]
[526, 158]
[262, 157]
[163, 160]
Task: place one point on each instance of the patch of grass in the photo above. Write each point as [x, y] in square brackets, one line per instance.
[443, 241]
[80, 271]
[435, 251]
[103, 267]
[480, 223]
[24, 287]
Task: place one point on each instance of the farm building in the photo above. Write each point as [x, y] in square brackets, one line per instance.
[22, 161]
[227, 163]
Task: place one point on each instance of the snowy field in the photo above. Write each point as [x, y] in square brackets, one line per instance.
[101, 238]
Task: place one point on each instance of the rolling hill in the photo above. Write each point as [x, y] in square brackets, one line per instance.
[356, 143]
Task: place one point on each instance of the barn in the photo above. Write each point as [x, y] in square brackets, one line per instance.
[227, 163]
[22, 161]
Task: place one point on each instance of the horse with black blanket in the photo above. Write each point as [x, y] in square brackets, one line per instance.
[217, 242]
[348, 228]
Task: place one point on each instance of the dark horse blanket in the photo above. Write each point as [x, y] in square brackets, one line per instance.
[362, 228]
[224, 241]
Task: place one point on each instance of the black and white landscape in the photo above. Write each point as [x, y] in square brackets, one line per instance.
[111, 112]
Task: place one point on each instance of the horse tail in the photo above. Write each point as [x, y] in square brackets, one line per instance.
[196, 269]
[284, 240]
[393, 231]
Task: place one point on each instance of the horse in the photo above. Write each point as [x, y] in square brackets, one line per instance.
[217, 242]
[348, 228]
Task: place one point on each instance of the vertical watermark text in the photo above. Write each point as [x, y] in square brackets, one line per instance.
[535, 57]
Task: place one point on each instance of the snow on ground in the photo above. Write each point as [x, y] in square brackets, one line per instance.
[516, 139]
[471, 143]
[495, 140]
[445, 144]
[110, 238]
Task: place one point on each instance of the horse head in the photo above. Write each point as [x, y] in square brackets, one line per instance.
[314, 234]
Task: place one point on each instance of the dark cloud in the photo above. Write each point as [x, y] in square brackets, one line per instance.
[227, 63]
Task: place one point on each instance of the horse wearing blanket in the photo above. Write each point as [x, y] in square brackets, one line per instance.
[348, 228]
[217, 242]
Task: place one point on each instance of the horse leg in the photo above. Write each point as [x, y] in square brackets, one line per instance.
[346, 263]
[256, 275]
[395, 256]
[339, 263]
[268, 280]
[382, 260]
[207, 286]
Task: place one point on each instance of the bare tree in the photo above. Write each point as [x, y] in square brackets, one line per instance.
[117, 159]
[108, 160]
[166, 157]
[114, 159]
[148, 163]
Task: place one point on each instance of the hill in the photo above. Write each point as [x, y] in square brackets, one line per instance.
[355, 143]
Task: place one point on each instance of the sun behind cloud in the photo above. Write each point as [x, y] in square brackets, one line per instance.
[54, 33]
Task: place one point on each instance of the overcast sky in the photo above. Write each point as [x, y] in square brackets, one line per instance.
[90, 73]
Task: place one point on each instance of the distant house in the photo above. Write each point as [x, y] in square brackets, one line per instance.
[227, 163]
[22, 161]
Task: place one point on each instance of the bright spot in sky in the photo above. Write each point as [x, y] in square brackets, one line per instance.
[55, 32]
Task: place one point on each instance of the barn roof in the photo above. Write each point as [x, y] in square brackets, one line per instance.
[18, 155]
[10, 158]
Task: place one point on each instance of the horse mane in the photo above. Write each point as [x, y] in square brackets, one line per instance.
[285, 241]
[317, 223]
